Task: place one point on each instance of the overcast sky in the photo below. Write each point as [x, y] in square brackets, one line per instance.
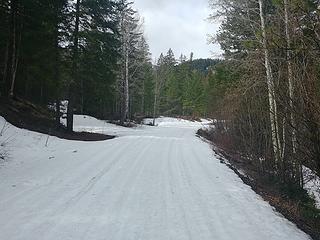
[180, 25]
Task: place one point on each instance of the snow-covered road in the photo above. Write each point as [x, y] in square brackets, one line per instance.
[149, 183]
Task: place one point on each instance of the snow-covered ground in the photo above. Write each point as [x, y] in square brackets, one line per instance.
[149, 183]
[171, 122]
[312, 184]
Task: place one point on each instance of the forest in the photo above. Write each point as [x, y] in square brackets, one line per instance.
[94, 54]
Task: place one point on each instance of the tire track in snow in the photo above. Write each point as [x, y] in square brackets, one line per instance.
[58, 211]
[128, 195]
[40, 188]
[197, 199]
[174, 175]
[132, 166]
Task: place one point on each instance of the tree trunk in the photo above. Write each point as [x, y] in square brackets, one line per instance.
[15, 66]
[57, 69]
[271, 90]
[13, 39]
[125, 74]
[155, 104]
[82, 97]
[155, 109]
[126, 86]
[290, 77]
[142, 109]
[74, 69]
[5, 69]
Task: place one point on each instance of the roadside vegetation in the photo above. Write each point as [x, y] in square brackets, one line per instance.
[266, 101]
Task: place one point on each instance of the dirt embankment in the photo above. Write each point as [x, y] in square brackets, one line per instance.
[26, 115]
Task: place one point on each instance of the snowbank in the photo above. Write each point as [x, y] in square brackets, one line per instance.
[177, 122]
[84, 123]
[312, 184]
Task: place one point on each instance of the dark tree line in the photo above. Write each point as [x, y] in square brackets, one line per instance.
[73, 50]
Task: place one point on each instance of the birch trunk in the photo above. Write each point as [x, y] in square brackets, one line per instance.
[271, 89]
[126, 86]
[290, 77]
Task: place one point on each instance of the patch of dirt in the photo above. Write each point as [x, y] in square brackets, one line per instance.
[26, 115]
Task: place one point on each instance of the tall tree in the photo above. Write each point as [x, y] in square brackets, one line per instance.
[4, 43]
[130, 33]
[271, 88]
[140, 76]
[74, 70]
[290, 71]
[13, 45]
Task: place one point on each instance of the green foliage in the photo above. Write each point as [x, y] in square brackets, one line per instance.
[309, 211]
[98, 57]
[203, 66]
[185, 89]
[222, 78]
[45, 44]
[148, 93]
[194, 98]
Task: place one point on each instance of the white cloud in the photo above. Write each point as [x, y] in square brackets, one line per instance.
[180, 25]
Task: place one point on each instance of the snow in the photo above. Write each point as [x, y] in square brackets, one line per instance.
[171, 122]
[63, 107]
[91, 124]
[312, 184]
[148, 183]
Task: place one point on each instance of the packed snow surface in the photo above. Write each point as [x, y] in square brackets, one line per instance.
[149, 183]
